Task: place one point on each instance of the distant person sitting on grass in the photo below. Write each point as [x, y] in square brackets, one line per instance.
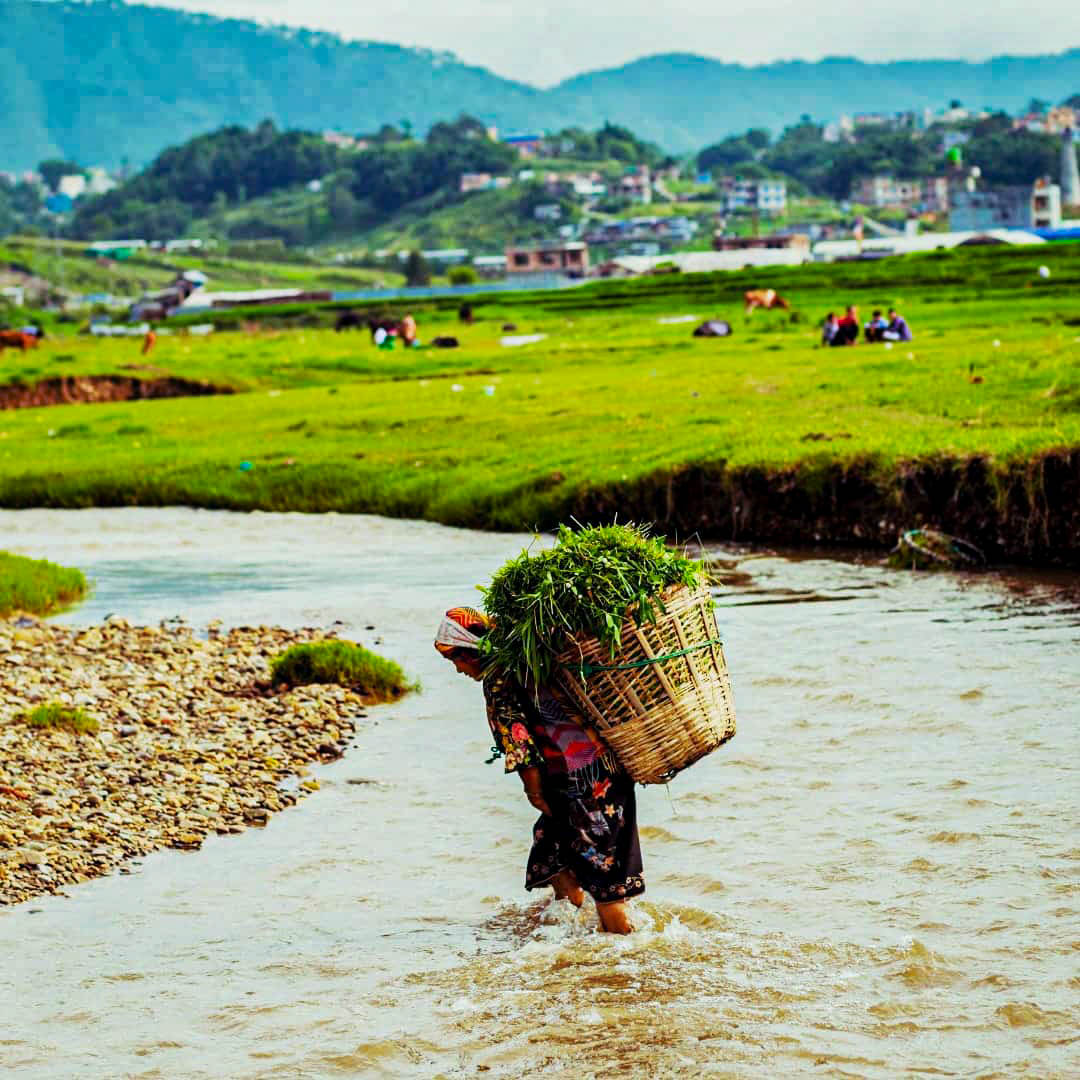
[897, 329]
[408, 332]
[877, 326]
[847, 328]
[829, 328]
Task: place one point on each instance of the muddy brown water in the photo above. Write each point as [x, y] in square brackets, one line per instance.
[877, 877]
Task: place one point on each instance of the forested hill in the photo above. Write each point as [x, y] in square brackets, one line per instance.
[101, 82]
[685, 99]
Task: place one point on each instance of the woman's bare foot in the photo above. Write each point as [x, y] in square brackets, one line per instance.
[567, 888]
[615, 917]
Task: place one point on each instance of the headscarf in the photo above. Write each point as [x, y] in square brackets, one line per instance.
[462, 629]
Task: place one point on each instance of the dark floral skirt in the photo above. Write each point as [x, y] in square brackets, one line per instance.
[592, 831]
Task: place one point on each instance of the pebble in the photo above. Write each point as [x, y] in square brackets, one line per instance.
[193, 742]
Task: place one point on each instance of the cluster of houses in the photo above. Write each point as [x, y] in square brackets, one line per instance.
[645, 235]
[635, 184]
[1053, 120]
[970, 204]
[95, 180]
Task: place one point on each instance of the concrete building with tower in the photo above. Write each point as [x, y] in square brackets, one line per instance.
[1070, 175]
[1035, 207]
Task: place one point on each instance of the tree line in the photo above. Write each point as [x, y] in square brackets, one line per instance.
[226, 168]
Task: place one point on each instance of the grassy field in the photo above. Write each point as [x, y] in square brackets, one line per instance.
[612, 396]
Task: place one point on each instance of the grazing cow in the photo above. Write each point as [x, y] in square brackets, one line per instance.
[764, 298]
[18, 339]
[349, 320]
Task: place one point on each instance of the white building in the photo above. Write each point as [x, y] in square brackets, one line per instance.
[952, 137]
[471, 182]
[72, 185]
[767, 196]
[636, 184]
[1036, 207]
[702, 262]
[887, 192]
[903, 244]
[490, 265]
[842, 130]
[98, 181]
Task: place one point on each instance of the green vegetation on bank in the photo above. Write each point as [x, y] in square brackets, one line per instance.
[614, 401]
[344, 663]
[57, 716]
[37, 586]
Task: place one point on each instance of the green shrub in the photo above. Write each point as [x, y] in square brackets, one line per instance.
[585, 584]
[66, 717]
[341, 662]
[461, 275]
[37, 586]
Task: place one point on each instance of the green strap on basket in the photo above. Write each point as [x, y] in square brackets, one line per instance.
[585, 670]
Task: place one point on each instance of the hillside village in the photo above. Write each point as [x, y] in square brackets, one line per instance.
[474, 204]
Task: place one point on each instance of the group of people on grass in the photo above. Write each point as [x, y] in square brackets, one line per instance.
[845, 330]
[383, 332]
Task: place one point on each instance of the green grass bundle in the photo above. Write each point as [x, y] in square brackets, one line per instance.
[585, 584]
[55, 715]
[37, 586]
[342, 662]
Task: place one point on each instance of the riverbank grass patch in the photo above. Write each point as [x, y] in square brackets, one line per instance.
[37, 586]
[57, 716]
[344, 663]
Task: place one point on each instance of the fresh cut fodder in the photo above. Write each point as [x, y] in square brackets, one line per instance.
[587, 584]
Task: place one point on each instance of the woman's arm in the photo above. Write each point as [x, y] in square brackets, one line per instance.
[509, 727]
[531, 781]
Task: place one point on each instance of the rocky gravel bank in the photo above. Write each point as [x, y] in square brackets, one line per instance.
[192, 740]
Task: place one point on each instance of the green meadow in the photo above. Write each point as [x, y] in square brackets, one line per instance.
[615, 393]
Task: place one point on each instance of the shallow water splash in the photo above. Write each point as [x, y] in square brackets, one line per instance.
[878, 876]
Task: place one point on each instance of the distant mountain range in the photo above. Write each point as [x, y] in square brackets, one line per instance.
[102, 82]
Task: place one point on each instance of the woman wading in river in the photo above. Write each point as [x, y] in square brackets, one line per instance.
[586, 837]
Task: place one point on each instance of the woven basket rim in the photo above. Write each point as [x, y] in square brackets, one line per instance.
[571, 654]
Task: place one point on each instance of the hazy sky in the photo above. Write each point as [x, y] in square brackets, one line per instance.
[544, 41]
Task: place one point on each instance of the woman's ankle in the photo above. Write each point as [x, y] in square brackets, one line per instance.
[615, 917]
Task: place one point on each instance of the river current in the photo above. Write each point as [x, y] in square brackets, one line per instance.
[877, 877]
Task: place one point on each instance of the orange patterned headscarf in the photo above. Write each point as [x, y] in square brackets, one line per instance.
[461, 630]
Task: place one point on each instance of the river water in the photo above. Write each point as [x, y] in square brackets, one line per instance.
[877, 877]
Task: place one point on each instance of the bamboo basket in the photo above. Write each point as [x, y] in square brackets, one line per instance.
[664, 701]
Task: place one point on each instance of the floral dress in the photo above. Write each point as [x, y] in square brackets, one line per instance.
[592, 828]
